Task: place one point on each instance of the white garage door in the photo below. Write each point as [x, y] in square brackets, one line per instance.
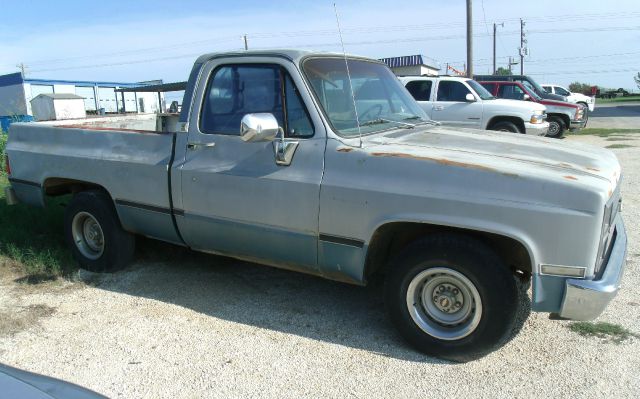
[107, 99]
[89, 97]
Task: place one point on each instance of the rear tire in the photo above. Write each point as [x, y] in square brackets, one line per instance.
[556, 127]
[94, 233]
[452, 297]
[505, 126]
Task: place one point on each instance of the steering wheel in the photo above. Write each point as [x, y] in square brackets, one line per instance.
[370, 110]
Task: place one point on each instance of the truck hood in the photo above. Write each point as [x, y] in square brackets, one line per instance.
[505, 153]
[516, 104]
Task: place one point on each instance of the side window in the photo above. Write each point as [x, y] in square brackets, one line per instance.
[491, 87]
[236, 90]
[562, 92]
[511, 92]
[548, 89]
[420, 89]
[452, 91]
[298, 121]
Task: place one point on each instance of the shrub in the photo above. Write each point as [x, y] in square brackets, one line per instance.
[3, 144]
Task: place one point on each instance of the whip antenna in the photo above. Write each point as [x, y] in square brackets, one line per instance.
[346, 63]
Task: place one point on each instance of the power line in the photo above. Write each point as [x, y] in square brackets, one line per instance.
[356, 30]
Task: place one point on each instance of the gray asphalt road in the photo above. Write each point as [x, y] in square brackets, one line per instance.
[615, 115]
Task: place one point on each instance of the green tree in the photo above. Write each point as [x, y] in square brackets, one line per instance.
[577, 87]
[502, 72]
[637, 79]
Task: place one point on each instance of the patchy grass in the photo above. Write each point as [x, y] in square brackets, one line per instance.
[605, 132]
[31, 239]
[617, 99]
[614, 146]
[619, 138]
[23, 318]
[607, 331]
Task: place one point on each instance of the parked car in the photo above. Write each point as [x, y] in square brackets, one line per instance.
[560, 115]
[16, 383]
[524, 79]
[282, 157]
[576, 98]
[464, 102]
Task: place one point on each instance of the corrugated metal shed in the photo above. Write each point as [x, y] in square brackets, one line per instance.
[60, 96]
[410, 60]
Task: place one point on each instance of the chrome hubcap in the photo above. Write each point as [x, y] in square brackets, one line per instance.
[87, 235]
[554, 128]
[444, 303]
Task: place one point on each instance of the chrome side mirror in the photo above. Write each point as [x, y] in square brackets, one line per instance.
[258, 127]
[470, 98]
[526, 97]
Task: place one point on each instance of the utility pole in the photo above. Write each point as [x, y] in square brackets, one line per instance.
[469, 39]
[511, 63]
[23, 68]
[246, 44]
[494, 46]
[523, 48]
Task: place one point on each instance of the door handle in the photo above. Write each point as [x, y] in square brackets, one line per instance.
[195, 146]
[438, 107]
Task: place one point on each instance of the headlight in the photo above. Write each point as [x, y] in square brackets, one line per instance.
[579, 113]
[538, 117]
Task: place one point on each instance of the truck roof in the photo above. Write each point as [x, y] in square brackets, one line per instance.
[291, 54]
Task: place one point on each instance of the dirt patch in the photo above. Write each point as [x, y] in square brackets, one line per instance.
[23, 318]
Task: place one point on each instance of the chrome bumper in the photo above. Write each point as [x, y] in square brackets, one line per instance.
[536, 129]
[10, 196]
[578, 124]
[587, 299]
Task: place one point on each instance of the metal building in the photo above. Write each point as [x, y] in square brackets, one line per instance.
[412, 65]
[16, 93]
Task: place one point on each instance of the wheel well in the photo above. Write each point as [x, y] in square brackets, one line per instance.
[564, 118]
[513, 119]
[391, 238]
[56, 186]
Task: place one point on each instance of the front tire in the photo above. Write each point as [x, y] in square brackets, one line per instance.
[94, 233]
[452, 297]
[556, 128]
[505, 126]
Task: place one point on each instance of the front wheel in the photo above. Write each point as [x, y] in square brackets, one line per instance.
[452, 297]
[556, 127]
[506, 126]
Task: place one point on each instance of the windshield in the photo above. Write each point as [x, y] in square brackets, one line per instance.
[532, 90]
[381, 102]
[482, 92]
[535, 87]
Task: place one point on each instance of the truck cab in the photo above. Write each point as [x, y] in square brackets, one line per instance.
[464, 102]
[576, 98]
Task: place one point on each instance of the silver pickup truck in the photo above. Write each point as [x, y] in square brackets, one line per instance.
[290, 159]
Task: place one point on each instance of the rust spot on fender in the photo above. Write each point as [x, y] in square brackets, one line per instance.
[437, 160]
[570, 177]
[565, 165]
[593, 169]
[344, 149]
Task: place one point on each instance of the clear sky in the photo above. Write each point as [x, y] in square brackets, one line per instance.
[591, 41]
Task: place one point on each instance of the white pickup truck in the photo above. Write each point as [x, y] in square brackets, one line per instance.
[576, 98]
[465, 103]
[284, 158]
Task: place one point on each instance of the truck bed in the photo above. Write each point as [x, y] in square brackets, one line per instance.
[130, 164]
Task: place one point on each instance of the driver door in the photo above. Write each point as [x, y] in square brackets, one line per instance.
[452, 108]
[237, 201]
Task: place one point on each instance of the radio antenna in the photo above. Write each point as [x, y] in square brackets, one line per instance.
[346, 63]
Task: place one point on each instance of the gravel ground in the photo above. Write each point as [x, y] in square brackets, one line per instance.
[206, 326]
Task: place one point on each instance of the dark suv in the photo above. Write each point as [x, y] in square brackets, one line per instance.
[530, 83]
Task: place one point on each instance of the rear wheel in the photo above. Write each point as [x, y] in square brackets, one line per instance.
[94, 234]
[556, 127]
[452, 297]
[505, 126]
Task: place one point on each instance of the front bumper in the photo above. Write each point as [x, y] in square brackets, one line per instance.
[578, 124]
[536, 129]
[587, 299]
[10, 196]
